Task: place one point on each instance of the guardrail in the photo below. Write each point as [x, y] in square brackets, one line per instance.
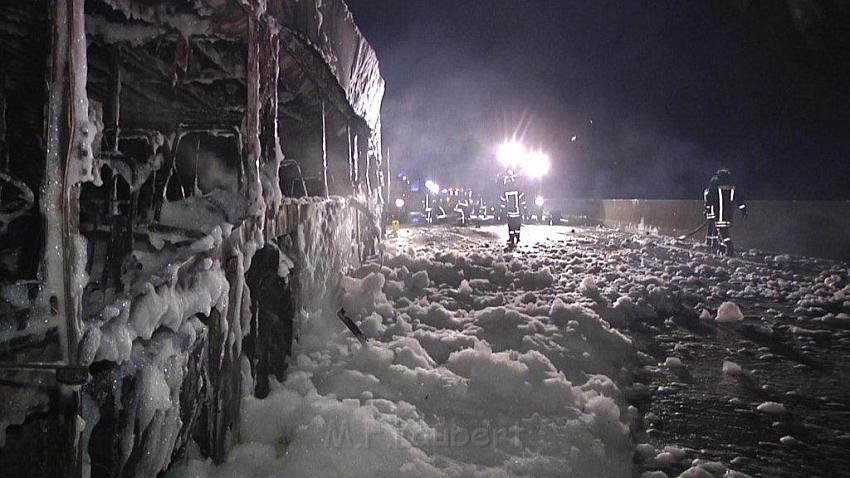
[810, 228]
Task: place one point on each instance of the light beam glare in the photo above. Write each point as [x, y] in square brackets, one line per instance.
[511, 154]
[536, 165]
[433, 187]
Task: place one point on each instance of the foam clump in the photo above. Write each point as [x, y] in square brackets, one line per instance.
[729, 312]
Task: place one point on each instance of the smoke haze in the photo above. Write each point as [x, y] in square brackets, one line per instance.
[657, 94]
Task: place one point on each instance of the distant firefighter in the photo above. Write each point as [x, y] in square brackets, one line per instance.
[721, 201]
[481, 211]
[440, 211]
[512, 206]
[431, 205]
[429, 208]
[434, 210]
[463, 207]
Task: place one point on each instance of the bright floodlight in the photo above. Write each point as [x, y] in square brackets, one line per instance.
[536, 165]
[432, 186]
[538, 201]
[511, 154]
[399, 203]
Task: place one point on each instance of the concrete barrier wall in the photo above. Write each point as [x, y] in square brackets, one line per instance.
[811, 228]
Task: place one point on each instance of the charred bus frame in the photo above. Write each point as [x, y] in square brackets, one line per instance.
[119, 117]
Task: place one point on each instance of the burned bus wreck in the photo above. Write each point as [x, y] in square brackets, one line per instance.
[175, 177]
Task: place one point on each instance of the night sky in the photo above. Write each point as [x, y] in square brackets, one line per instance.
[659, 94]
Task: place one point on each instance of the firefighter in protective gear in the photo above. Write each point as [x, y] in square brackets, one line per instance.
[481, 211]
[433, 209]
[429, 208]
[721, 199]
[463, 207]
[512, 207]
[440, 211]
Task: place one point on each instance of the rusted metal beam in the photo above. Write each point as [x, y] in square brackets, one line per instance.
[65, 374]
[68, 162]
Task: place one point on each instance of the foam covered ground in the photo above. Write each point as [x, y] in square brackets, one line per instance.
[478, 363]
[486, 363]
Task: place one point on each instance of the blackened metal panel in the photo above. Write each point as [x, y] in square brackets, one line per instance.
[330, 28]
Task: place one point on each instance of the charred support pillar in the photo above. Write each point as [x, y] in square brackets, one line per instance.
[4, 157]
[324, 150]
[262, 157]
[353, 158]
[120, 226]
[377, 180]
[374, 166]
[387, 196]
[271, 152]
[68, 161]
[114, 105]
[363, 160]
[252, 148]
[222, 414]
